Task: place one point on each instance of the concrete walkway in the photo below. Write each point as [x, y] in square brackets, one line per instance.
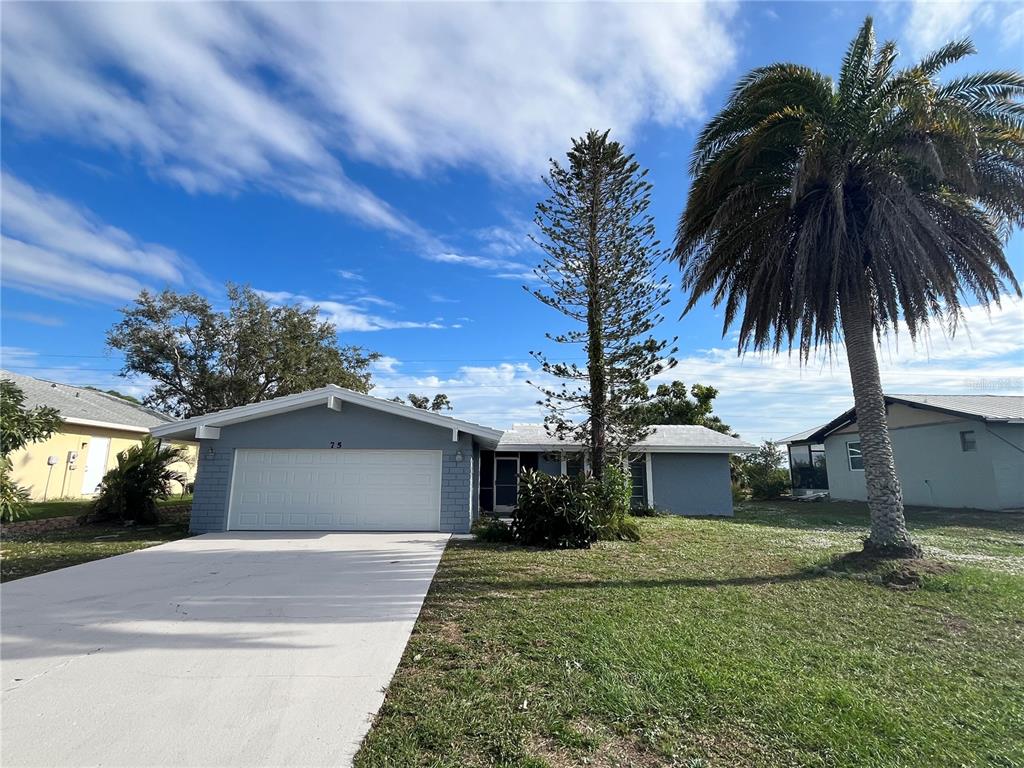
[233, 649]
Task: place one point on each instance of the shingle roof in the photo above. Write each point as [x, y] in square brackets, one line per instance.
[77, 403]
[992, 408]
[987, 407]
[799, 437]
[666, 437]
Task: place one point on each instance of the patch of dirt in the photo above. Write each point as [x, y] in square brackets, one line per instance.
[895, 574]
[609, 755]
[955, 625]
[449, 631]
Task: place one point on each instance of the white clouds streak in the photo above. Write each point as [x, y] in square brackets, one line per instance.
[932, 23]
[51, 246]
[347, 316]
[223, 97]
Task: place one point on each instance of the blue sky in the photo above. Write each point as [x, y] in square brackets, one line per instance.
[383, 161]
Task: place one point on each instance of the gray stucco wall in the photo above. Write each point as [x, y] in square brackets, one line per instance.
[934, 471]
[691, 483]
[356, 427]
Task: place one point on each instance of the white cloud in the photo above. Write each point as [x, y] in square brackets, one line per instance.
[376, 301]
[1013, 29]
[225, 97]
[505, 240]
[52, 246]
[500, 86]
[346, 316]
[438, 298]
[14, 357]
[932, 23]
[385, 364]
[36, 318]
[477, 262]
[48, 273]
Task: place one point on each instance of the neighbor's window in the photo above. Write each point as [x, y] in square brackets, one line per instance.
[967, 441]
[853, 454]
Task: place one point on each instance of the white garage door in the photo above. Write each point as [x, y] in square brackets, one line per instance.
[335, 490]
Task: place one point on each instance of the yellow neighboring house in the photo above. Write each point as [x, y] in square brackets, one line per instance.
[97, 427]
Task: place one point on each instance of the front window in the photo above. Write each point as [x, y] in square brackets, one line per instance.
[854, 456]
[967, 441]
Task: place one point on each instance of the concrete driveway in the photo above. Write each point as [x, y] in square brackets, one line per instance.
[247, 649]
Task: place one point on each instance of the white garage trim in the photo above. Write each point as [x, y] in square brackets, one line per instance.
[335, 490]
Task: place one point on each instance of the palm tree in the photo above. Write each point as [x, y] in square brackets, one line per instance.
[821, 209]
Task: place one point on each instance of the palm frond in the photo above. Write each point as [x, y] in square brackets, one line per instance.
[942, 57]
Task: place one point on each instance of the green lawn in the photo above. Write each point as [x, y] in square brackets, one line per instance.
[37, 510]
[717, 643]
[49, 551]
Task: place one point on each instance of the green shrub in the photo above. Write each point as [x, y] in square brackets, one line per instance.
[559, 512]
[739, 492]
[493, 530]
[768, 484]
[763, 472]
[612, 516]
[12, 496]
[646, 510]
[556, 512]
[19, 426]
[143, 475]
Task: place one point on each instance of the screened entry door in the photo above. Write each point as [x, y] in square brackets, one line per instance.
[506, 482]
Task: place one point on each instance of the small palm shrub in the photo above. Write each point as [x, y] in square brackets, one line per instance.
[556, 512]
[142, 476]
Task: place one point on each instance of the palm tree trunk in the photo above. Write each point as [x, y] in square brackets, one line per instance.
[889, 535]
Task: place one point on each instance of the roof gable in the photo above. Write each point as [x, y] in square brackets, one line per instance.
[200, 426]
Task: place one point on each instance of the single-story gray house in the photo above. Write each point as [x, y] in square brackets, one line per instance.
[957, 451]
[334, 459]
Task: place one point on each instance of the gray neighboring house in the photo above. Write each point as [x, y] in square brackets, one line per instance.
[334, 459]
[957, 451]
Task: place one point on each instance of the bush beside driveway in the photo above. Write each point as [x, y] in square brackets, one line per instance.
[717, 643]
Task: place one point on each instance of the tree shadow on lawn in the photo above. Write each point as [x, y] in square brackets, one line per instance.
[807, 515]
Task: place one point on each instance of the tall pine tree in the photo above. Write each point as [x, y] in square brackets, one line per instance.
[601, 271]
